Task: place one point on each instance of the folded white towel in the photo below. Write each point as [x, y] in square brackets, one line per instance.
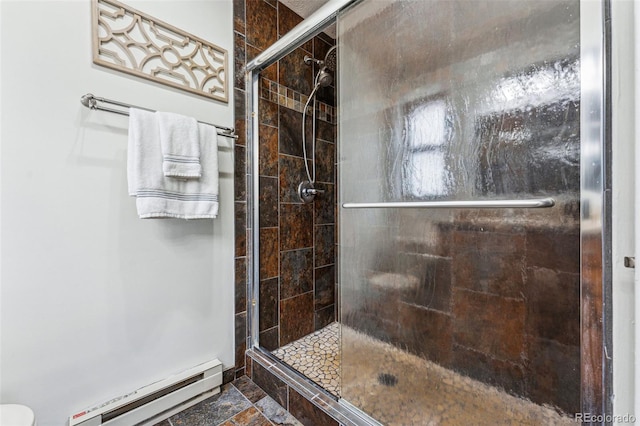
[180, 145]
[157, 196]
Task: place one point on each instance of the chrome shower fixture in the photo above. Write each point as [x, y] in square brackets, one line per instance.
[310, 60]
[307, 192]
[324, 78]
[330, 59]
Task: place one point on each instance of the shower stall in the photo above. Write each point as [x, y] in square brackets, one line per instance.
[448, 267]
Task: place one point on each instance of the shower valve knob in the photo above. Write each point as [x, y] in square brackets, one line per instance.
[315, 191]
[307, 192]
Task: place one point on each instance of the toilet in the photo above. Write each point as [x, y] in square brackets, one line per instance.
[16, 415]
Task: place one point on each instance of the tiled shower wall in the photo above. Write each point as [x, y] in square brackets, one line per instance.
[297, 241]
[497, 295]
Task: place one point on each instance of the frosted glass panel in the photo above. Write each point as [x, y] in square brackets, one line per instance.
[460, 316]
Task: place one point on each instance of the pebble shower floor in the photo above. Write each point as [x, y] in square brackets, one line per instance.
[374, 371]
[317, 356]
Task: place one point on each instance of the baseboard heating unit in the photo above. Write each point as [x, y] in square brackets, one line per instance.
[162, 398]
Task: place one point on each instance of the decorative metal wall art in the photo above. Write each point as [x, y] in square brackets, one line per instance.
[128, 40]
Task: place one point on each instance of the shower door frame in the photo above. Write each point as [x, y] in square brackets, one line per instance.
[595, 223]
[346, 414]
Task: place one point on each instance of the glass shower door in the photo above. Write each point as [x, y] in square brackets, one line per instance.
[460, 315]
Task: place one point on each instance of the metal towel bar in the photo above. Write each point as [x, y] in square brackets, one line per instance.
[91, 102]
[480, 204]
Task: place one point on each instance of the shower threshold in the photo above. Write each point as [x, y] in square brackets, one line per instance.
[399, 388]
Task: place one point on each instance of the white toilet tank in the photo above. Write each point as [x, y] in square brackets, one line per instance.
[16, 415]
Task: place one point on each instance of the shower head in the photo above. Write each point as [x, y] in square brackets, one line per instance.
[330, 59]
[324, 78]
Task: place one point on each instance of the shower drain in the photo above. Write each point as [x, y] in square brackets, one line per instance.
[387, 379]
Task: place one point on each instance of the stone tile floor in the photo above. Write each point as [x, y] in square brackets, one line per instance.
[240, 403]
[389, 384]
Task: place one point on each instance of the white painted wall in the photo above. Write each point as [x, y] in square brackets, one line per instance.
[94, 301]
[623, 196]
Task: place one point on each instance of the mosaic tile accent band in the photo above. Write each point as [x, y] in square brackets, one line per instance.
[289, 98]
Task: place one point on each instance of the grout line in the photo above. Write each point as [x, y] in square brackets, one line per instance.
[251, 403]
[266, 395]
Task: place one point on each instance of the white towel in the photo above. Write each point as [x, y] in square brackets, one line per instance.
[158, 196]
[180, 145]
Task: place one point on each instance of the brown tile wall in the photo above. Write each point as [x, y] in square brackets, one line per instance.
[301, 408]
[241, 231]
[297, 241]
[498, 297]
[499, 303]
[594, 391]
